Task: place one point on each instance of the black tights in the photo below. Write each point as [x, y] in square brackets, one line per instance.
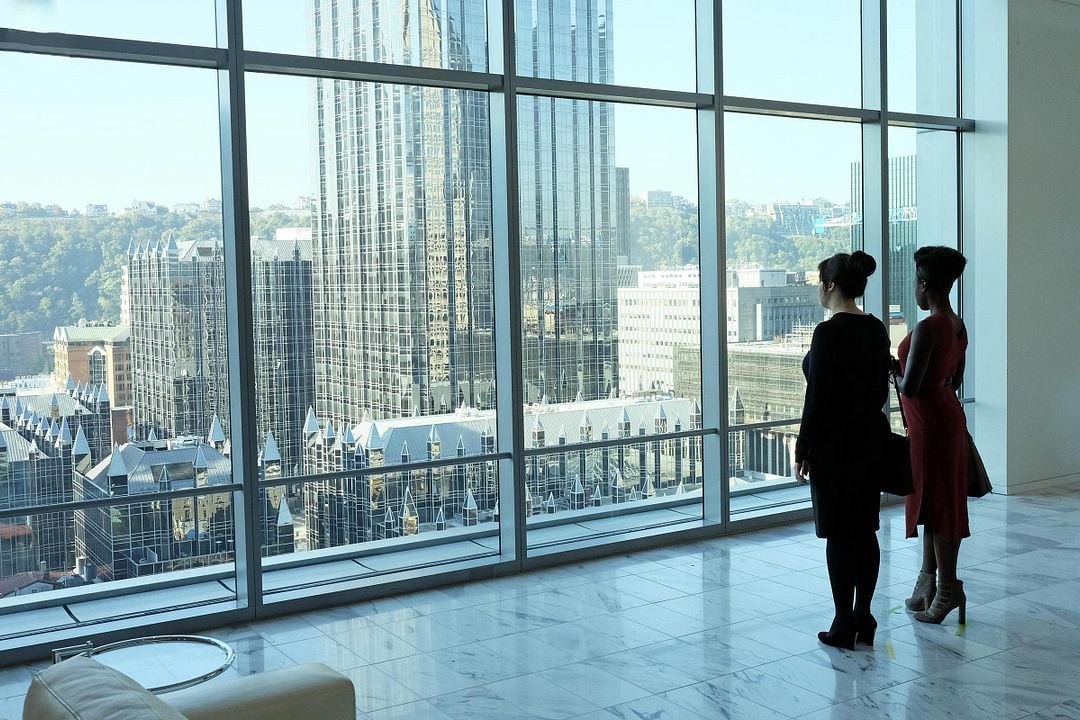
[853, 572]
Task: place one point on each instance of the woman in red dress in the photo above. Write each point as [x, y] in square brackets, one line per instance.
[930, 371]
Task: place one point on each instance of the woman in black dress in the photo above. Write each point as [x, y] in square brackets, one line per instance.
[842, 440]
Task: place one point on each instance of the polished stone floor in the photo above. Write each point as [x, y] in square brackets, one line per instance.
[718, 629]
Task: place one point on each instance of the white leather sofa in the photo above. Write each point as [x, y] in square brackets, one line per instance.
[83, 689]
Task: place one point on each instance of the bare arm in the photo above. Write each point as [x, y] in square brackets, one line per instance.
[923, 344]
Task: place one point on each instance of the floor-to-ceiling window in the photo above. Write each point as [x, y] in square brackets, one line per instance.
[415, 289]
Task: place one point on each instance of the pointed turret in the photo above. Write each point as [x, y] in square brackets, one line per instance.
[549, 505]
[329, 434]
[348, 440]
[440, 519]
[51, 432]
[102, 394]
[216, 436]
[270, 449]
[70, 384]
[577, 495]
[3, 443]
[284, 517]
[469, 513]
[311, 423]
[200, 462]
[597, 497]
[117, 467]
[434, 444]
[410, 521]
[80, 448]
[151, 437]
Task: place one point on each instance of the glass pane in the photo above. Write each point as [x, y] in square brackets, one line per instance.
[192, 22]
[762, 476]
[112, 251]
[923, 206]
[372, 294]
[611, 291]
[922, 56]
[448, 35]
[625, 42]
[792, 193]
[794, 50]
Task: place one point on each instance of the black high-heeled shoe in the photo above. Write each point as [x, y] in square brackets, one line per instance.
[864, 632]
[838, 636]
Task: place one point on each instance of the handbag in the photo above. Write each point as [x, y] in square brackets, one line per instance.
[895, 477]
[978, 481]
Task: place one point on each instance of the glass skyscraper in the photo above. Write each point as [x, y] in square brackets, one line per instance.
[403, 312]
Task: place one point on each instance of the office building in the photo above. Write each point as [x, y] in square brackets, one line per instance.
[179, 340]
[92, 355]
[657, 316]
[20, 354]
[768, 306]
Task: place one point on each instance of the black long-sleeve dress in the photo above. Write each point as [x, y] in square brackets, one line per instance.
[844, 429]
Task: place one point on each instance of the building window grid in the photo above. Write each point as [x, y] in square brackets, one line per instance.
[525, 162]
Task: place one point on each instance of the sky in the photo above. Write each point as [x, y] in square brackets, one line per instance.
[106, 132]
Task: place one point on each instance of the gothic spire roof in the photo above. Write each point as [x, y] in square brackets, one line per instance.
[329, 434]
[375, 441]
[117, 468]
[200, 463]
[284, 517]
[311, 423]
[270, 449]
[216, 434]
[103, 394]
[70, 384]
[81, 446]
[151, 436]
[347, 437]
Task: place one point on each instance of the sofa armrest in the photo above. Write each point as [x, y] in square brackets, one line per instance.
[312, 692]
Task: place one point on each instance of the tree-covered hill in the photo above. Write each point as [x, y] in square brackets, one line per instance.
[668, 238]
[57, 269]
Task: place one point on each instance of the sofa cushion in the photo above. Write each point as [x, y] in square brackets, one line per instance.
[81, 689]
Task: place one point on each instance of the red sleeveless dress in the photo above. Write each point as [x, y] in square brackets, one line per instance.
[939, 445]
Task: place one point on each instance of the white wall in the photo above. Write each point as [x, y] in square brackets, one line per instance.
[1022, 237]
[1044, 241]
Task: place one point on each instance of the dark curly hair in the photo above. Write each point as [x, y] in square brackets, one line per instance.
[849, 272]
[939, 267]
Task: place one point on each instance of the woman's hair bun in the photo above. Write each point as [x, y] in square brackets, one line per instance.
[940, 266]
[863, 264]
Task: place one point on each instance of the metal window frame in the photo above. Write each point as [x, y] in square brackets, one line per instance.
[232, 63]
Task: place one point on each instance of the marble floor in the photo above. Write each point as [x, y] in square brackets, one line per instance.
[718, 629]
